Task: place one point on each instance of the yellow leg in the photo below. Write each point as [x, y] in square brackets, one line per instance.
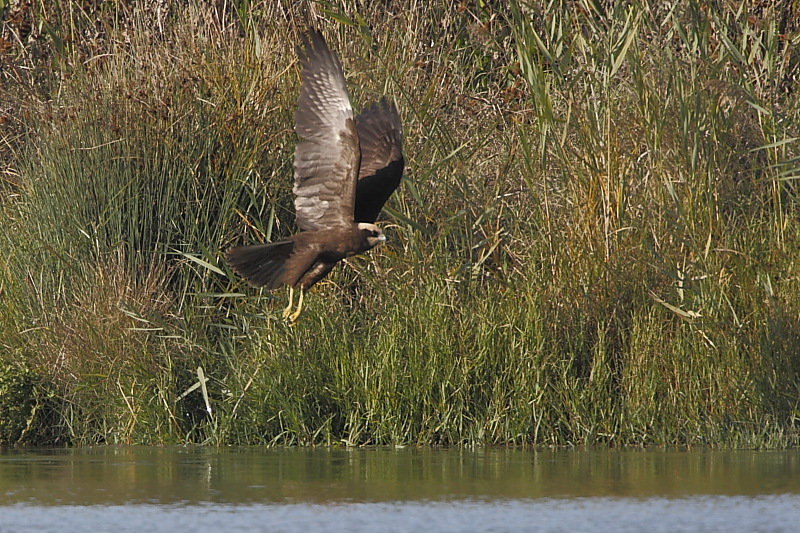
[292, 319]
[288, 310]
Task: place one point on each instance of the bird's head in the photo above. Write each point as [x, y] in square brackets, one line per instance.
[371, 234]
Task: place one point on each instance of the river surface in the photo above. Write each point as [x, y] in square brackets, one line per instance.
[172, 489]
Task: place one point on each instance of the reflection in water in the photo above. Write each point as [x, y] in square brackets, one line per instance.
[109, 475]
[163, 489]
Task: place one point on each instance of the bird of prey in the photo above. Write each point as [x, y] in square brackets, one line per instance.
[345, 169]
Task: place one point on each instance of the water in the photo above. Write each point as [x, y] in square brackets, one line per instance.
[386, 490]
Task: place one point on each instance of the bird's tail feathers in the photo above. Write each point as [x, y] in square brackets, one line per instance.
[260, 264]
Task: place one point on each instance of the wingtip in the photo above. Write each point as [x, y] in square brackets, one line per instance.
[311, 40]
[382, 112]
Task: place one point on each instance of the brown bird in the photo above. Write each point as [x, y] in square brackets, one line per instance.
[344, 171]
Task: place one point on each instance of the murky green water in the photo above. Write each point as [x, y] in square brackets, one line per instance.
[252, 489]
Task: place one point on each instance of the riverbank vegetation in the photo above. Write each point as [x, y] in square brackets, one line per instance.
[596, 240]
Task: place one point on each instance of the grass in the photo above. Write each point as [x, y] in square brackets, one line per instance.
[595, 242]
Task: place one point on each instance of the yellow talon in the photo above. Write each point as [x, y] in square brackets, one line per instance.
[292, 318]
[288, 310]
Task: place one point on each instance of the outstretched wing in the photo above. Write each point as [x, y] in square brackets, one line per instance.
[381, 137]
[326, 162]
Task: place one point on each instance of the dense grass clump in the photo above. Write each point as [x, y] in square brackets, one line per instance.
[595, 242]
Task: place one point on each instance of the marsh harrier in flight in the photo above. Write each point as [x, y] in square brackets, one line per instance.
[344, 171]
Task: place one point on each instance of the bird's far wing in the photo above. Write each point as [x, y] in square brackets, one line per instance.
[381, 137]
[326, 161]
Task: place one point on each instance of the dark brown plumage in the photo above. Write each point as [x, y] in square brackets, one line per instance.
[345, 171]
